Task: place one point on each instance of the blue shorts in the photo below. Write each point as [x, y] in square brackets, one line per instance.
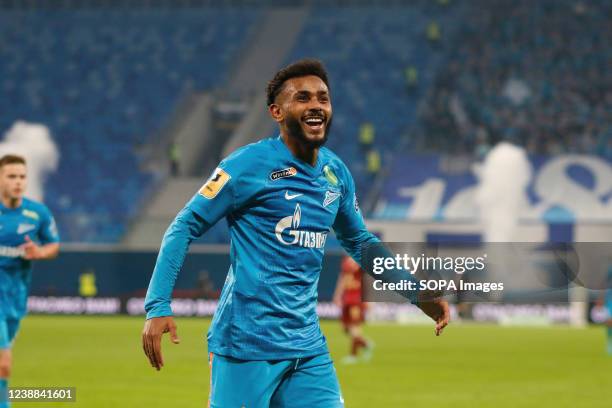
[8, 330]
[309, 382]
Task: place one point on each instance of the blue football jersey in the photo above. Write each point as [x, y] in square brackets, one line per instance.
[280, 211]
[31, 219]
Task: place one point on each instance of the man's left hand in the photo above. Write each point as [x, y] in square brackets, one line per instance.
[438, 310]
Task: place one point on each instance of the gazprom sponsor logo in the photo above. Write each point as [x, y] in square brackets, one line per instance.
[11, 252]
[290, 225]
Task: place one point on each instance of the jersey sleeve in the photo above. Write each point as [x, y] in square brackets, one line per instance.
[228, 188]
[354, 237]
[186, 227]
[349, 225]
[47, 233]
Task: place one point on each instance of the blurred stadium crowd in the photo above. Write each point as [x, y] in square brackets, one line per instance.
[534, 73]
[426, 76]
[104, 82]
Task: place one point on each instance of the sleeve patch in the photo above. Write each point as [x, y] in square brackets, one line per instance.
[53, 229]
[215, 183]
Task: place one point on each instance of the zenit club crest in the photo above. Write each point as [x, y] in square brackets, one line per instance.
[215, 183]
[330, 197]
[290, 172]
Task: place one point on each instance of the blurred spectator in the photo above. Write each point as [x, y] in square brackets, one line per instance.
[411, 76]
[174, 156]
[433, 32]
[87, 283]
[482, 143]
[366, 135]
[373, 162]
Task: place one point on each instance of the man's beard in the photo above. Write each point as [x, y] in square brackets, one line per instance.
[296, 131]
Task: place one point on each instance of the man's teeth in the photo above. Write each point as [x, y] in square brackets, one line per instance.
[314, 121]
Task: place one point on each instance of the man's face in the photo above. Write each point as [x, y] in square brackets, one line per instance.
[304, 107]
[13, 180]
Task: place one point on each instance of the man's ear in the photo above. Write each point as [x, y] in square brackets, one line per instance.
[276, 113]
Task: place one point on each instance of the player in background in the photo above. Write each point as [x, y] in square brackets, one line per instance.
[281, 197]
[27, 233]
[606, 302]
[348, 297]
[609, 321]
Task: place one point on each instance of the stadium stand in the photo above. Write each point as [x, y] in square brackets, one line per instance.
[104, 82]
[367, 51]
[531, 73]
[546, 87]
[434, 76]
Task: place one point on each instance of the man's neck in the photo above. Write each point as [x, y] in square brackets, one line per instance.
[10, 202]
[300, 150]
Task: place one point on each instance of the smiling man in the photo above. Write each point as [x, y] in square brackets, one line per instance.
[281, 197]
[27, 233]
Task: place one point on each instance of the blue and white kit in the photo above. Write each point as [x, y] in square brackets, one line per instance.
[280, 211]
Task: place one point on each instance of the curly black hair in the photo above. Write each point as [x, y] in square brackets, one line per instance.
[299, 68]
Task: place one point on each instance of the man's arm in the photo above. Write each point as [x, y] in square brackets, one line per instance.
[34, 252]
[230, 186]
[353, 235]
[48, 237]
[186, 227]
[227, 188]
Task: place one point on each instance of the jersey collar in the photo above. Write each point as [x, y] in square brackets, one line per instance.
[315, 170]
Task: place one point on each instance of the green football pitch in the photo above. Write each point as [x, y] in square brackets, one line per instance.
[469, 366]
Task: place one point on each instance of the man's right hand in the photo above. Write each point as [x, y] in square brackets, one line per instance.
[152, 333]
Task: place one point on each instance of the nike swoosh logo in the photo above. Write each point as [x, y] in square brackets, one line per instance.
[291, 196]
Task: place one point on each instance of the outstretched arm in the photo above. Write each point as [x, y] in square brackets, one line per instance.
[186, 227]
[354, 237]
[231, 185]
